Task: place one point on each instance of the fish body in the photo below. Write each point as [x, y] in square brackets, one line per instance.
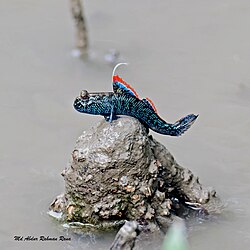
[125, 101]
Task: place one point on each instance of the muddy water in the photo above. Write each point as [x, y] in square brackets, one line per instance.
[187, 56]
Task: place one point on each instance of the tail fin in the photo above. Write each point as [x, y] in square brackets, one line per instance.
[183, 124]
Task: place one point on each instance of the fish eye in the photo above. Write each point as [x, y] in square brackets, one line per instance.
[84, 94]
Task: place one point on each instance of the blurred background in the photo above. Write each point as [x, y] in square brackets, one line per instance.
[187, 56]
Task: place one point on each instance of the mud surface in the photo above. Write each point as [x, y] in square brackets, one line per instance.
[118, 172]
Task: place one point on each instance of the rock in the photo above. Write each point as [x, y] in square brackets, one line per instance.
[118, 172]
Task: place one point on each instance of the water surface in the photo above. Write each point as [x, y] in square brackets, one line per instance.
[187, 56]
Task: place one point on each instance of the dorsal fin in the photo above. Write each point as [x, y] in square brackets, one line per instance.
[150, 104]
[121, 87]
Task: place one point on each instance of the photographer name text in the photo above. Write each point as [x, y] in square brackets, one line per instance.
[41, 238]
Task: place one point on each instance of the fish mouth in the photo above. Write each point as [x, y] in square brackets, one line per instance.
[79, 104]
[77, 100]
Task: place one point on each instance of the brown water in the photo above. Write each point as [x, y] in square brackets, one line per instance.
[187, 56]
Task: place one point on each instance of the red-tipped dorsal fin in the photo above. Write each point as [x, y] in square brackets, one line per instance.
[116, 78]
[152, 104]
